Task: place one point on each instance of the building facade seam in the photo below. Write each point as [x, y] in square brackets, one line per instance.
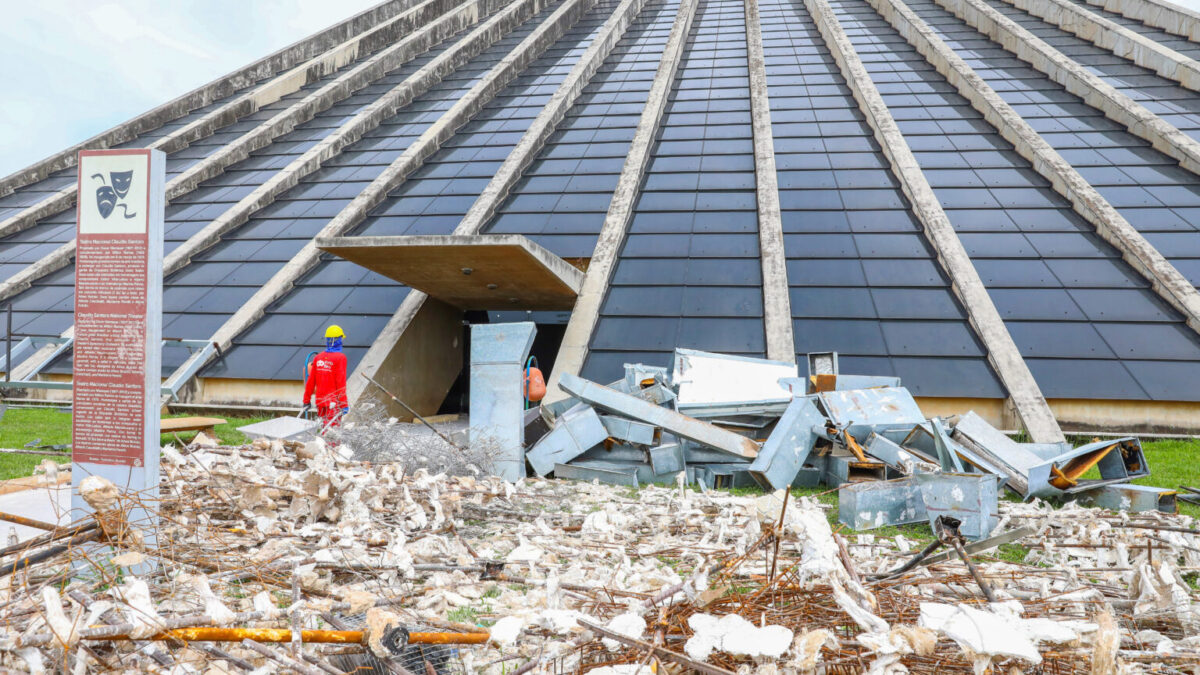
[1024, 394]
[1167, 282]
[510, 171]
[463, 110]
[777, 305]
[573, 350]
[217, 89]
[1094, 91]
[1171, 18]
[1116, 38]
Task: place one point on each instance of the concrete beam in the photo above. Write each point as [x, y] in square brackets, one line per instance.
[574, 347]
[1135, 249]
[1002, 352]
[777, 302]
[471, 272]
[367, 119]
[217, 89]
[549, 118]
[1170, 17]
[463, 110]
[288, 119]
[50, 263]
[1078, 80]
[498, 188]
[423, 363]
[1116, 38]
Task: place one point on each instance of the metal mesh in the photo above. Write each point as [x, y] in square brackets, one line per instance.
[415, 659]
[375, 436]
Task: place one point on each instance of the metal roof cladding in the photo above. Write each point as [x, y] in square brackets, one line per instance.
[1050, 176]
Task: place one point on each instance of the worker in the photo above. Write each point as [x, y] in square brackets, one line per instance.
[327, 380]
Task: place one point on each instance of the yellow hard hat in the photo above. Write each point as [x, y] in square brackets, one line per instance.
[334, 331]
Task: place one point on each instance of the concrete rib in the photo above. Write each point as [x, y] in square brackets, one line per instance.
[1135, 249]
[497, 189]
[217, 89]
[1169, 17]
[1118, 39]
[1165, 137]
[1024, 394]
[366, 120]
[574, 347]
[261, 136]
[777, 303]
[463, 110]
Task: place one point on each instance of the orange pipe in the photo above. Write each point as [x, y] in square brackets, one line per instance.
[345, 637]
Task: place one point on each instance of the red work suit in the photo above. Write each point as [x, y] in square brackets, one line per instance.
[327, 379]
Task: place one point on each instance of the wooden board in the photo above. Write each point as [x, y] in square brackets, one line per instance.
[180, 424]
[480, 272]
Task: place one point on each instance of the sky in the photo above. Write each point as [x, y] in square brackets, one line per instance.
[74, 68]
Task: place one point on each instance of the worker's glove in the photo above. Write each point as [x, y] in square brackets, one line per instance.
[305, 410]
[346, 410]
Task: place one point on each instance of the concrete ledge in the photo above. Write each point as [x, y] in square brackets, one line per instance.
[50, 263]
[1135, 249]
[248, 103]
[428, 143]
[777, 302]
[366, 120]
[1078, 80]
[549, 118]
[1169, 17]
[574, 347]
[379, 360]
[1117, 38]
[1002, 352]
[422, 361]
[471, 272]
[217, 89]
[465, 108]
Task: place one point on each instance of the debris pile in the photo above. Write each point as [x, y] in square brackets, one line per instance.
[293, 557]
[731, 421]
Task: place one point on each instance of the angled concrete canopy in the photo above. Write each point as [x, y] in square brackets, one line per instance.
[994, 201]
[491, 272]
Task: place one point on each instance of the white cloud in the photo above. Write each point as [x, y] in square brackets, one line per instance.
[119, 26]
[74, 68]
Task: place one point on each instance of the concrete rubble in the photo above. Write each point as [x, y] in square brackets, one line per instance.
[376, 559]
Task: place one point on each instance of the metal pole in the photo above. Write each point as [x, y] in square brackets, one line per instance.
[8, 347]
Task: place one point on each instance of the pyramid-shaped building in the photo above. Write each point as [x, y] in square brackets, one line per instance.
[997, 201]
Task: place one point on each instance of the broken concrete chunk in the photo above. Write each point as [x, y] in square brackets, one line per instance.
[285, 428]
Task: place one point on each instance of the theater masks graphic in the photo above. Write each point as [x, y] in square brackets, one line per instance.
[109, 197]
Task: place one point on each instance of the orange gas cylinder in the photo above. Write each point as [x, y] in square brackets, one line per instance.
[535, 384]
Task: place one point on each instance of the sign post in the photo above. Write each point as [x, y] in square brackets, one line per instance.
[118, 325]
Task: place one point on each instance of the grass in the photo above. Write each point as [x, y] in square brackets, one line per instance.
[1172, 463]
[52, 426]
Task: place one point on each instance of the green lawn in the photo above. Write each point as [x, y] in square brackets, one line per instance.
[25, 425]
[1172, 462]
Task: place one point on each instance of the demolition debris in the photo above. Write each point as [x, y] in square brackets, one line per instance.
[362, 555]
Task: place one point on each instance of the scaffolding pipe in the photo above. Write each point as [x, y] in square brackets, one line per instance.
[284, 635]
